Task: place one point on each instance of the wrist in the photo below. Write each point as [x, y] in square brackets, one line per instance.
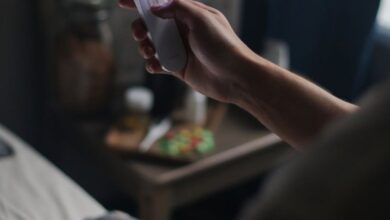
[252, 79]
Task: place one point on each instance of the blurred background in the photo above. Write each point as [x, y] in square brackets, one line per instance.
[69, 70]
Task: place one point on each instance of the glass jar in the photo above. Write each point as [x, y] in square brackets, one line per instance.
[85, 63]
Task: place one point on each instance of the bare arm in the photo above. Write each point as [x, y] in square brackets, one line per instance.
[221, 66]
[289, 105]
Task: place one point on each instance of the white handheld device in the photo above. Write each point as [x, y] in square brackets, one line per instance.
[165, 36]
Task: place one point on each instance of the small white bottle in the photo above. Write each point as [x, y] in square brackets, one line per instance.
[196, 108]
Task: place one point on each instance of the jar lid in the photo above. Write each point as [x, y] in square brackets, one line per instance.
[139, 99]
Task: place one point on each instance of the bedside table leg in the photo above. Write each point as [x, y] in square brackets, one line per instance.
[155, 205]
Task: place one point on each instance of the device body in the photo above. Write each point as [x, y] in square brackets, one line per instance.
[165, 36]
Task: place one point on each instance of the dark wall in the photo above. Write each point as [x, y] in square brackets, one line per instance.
[20, 75]
[380, 62]
[254, 23]
[330, 40]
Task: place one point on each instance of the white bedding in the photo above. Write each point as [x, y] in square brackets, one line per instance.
[31, 188]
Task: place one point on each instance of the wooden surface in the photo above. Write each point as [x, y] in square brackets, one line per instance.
[243, 152]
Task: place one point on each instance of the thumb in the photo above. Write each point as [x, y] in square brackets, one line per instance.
[183, 10]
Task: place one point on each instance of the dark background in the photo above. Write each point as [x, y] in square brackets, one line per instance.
[334, 43]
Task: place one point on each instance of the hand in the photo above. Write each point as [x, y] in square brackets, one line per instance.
[216, 56]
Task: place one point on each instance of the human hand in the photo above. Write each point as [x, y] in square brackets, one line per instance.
[216, 55]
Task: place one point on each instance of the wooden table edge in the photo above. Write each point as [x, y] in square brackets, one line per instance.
[248, 148]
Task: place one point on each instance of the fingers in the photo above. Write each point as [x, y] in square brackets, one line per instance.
[146, 49]
[140, 33]
[129, 4]
[139, 30]
[152, 65]
[184, 10]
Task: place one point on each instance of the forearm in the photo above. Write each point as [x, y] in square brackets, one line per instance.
[287, 104]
